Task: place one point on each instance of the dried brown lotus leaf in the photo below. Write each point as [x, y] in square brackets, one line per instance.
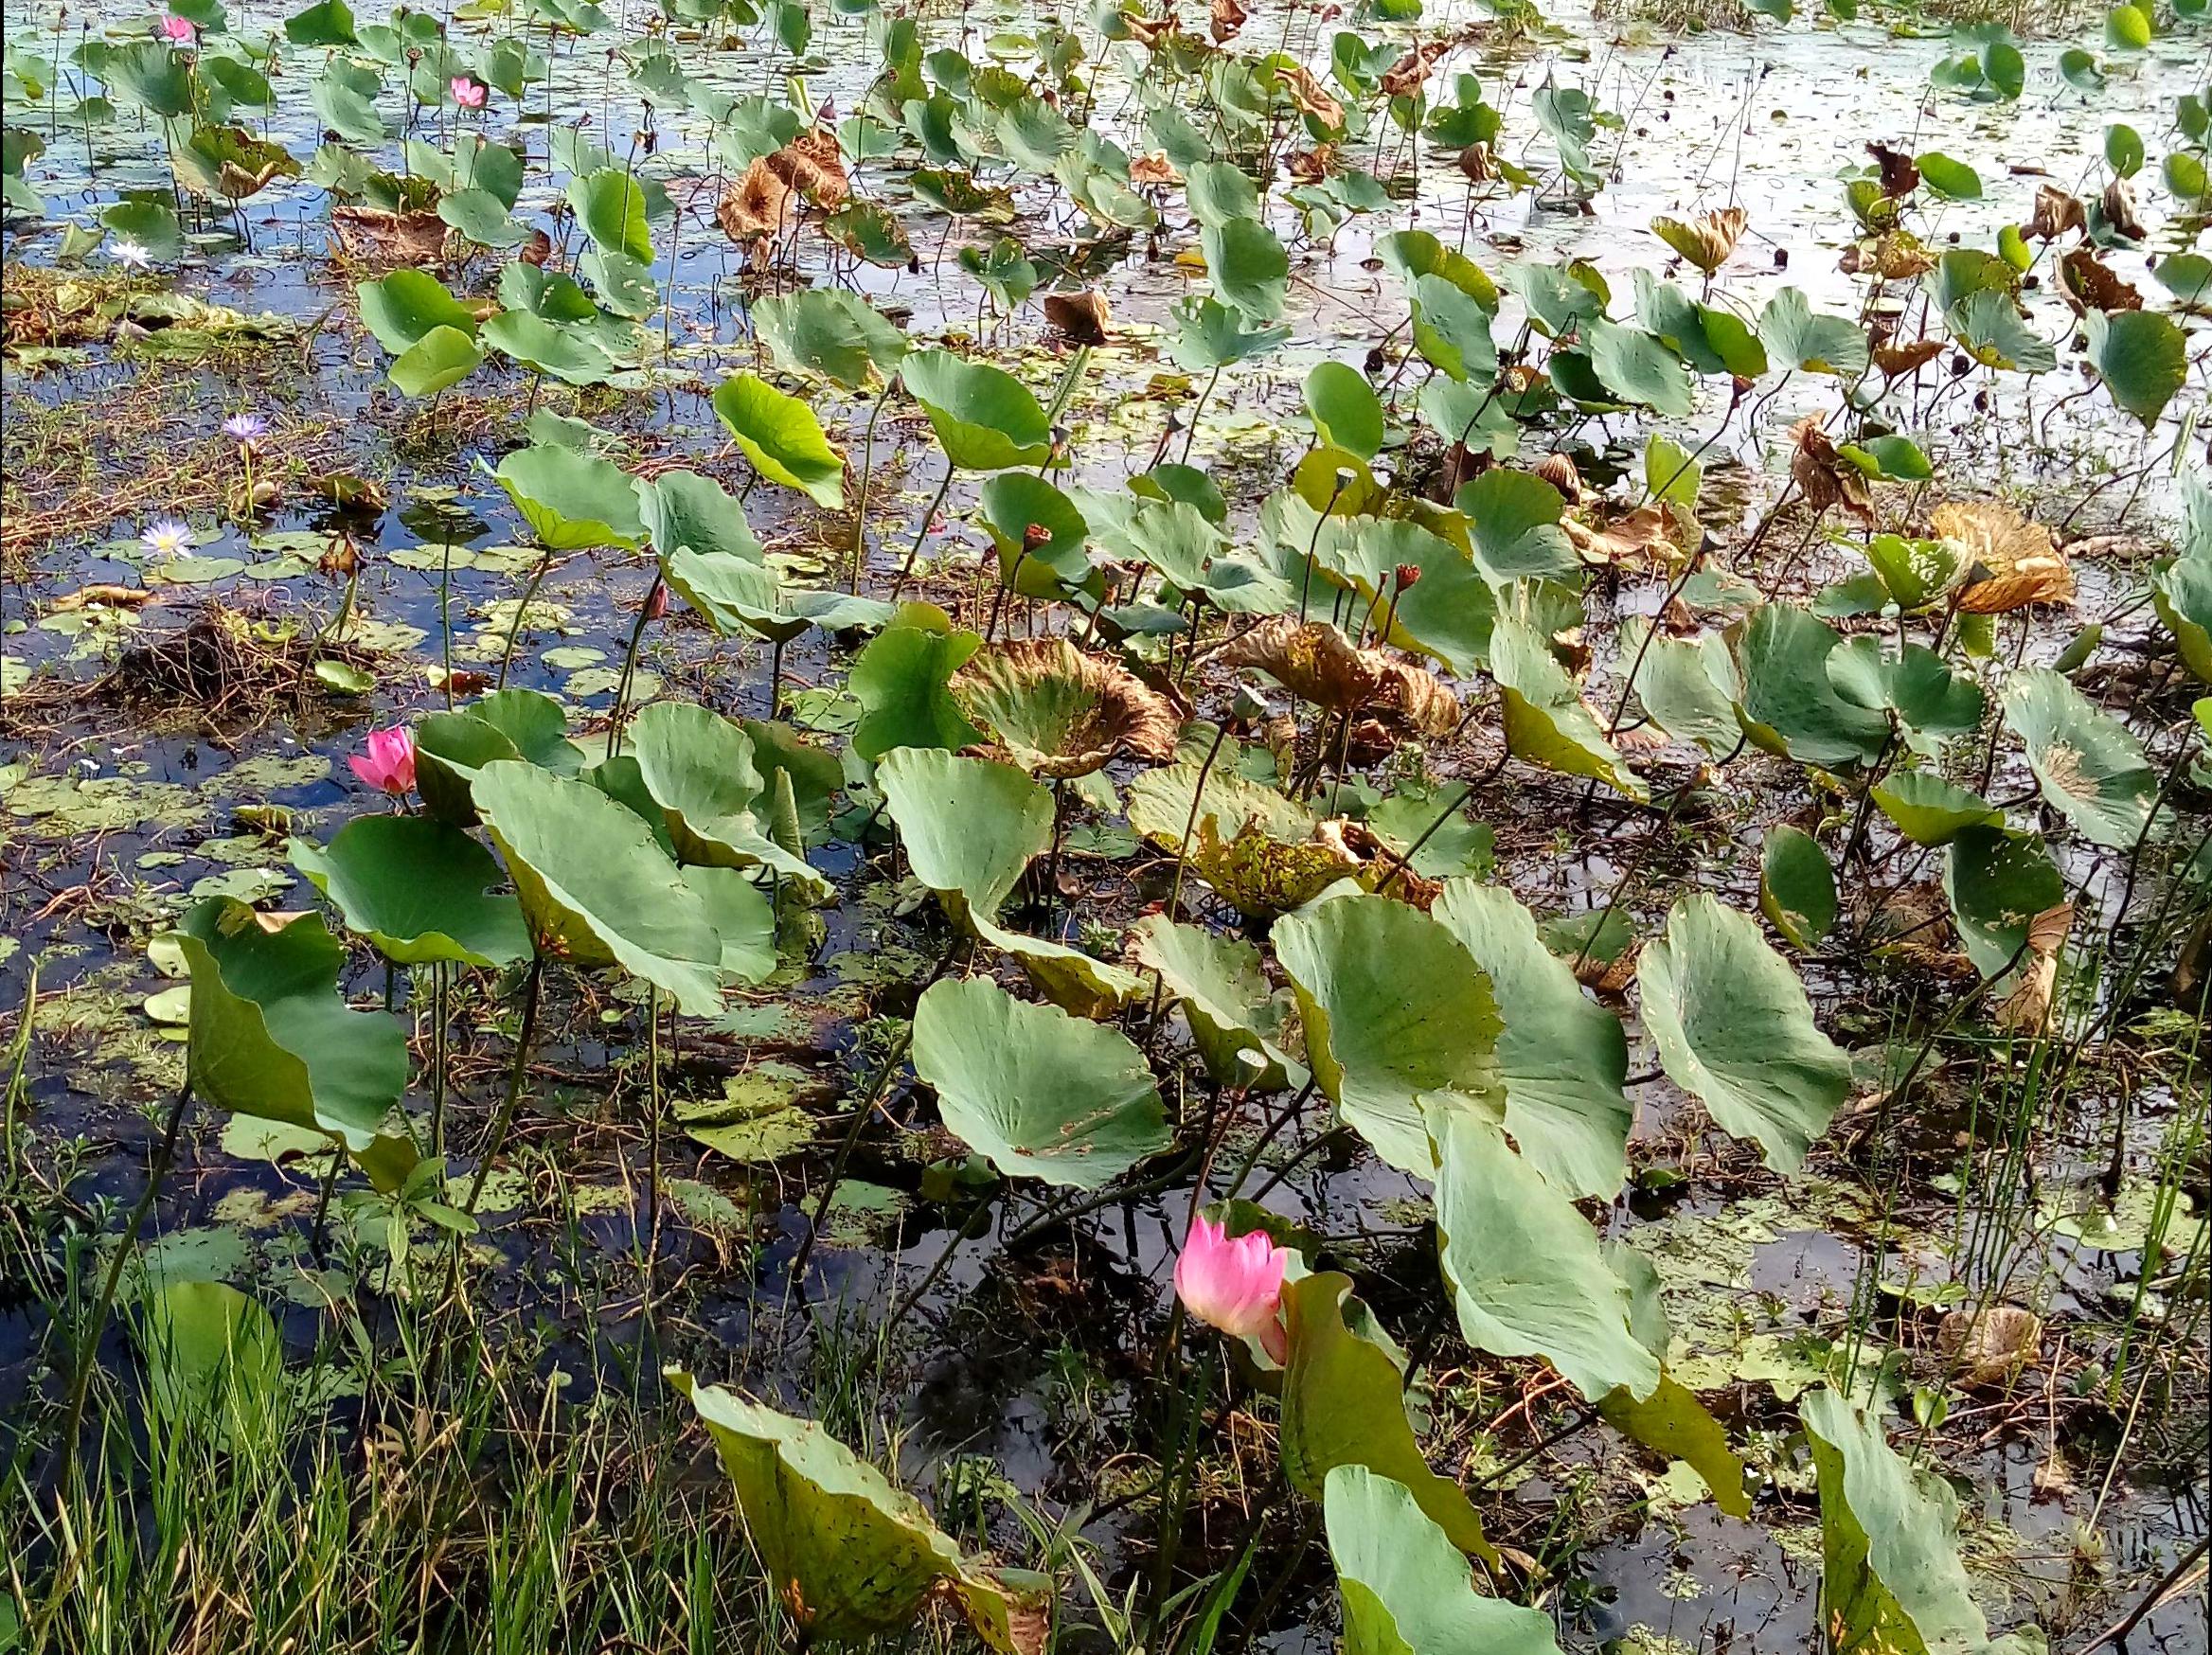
[2093, 284]
[1062, 713]
[1707, 240]
[1827, 478]
[2024, 567]
[1313, 660]
[1085, 317]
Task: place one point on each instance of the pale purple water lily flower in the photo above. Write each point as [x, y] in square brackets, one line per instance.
[246, 429]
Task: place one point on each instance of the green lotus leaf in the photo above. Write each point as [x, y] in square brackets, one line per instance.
[1344, 1404]
[1452, 330]
[970, 825]
[442, 357]
[2092, 769]
[2181, 592]
[1037, 1093]
[832, 332]
[1689, 688]
[451, 747]
[698, 768]
[737, 592]
[1346, 410]
[1397, 1014]
[1735, 1030]
[814, 775]
[742, 917]
[1563, 1057]
[901, 682]
[849, 1555]
[572, 501]
[272, 1037]
[1930, 701]
[1809, 343]
[2142, 356]
[1016, 505]
[687, 511]
[984, 418]
[1236, 1016]
[595, 887]
[782, 439]
[1892, 1578]
[408, 303]
[1997, 883]
[1513, 523]
[419, 890]
[215, 1360]
[1406, 1589]
[151, 224]
[1526, 1271]
[1915, 572]
[1640, 367]
[1407, 822]
[1249, 268]
[1546, 722]
[1784, 655]
[560, 348]
[610, 207]
[1208, 334]
[1674, 1423]
[482, 217]
[1073, 980]
[1796, 887]
[327, 23]
[1929, 811]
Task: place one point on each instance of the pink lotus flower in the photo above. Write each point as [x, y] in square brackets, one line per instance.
[469, 92]
[389, 764]
[181, 32]
[1234, 1285]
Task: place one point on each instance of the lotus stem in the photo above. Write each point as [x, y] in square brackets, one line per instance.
[514, 1084]
[437, 1022]
[126, 1248]
[1313, 546]
[1191, 430]
[321, 1228]
[1190, 821]
[652, 1141]
[859, 509]
[863, 1107]
[629, 664]
[522, 614]
[922, 533]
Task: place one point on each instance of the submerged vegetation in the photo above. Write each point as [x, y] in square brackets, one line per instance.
[1381, 827]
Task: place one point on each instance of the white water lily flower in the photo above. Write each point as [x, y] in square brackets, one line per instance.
[167, 539]
[132, 254]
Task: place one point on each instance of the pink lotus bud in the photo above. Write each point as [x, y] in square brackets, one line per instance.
[390, 764]
[178, 31]
[1234, 1285]
[469, 92]
[657, 605]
